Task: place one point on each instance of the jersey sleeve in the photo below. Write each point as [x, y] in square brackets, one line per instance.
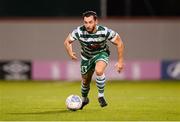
[111, 35]
[74, 35]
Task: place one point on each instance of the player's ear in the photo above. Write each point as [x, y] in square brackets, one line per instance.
[96, 21]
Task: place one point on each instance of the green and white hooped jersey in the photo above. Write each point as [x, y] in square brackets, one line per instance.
[93, 43]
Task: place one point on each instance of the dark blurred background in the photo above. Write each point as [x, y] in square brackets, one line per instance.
[71, 8]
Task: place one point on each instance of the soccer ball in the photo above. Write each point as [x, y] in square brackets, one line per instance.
[73, 102]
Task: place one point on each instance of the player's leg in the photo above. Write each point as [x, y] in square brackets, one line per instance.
[100, 81]
[85, 84]
[85, 87]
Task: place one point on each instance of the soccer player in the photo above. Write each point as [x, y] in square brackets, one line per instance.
[94, 53]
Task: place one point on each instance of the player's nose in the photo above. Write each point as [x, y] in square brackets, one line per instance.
[88, 26]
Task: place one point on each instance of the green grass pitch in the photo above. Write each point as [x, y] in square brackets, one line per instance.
[45, 101]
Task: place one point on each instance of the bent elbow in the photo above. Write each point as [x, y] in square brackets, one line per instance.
[66, 42]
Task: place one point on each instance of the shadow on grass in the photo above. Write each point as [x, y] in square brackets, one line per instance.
[43, 112]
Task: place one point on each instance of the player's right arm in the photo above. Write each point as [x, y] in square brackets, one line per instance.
[68, 46]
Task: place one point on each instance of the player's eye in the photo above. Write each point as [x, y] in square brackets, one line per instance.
[90, 22]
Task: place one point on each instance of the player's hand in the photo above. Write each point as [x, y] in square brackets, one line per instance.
[119, 67]
[73, 56]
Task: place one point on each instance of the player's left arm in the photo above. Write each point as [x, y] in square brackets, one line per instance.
[120, 50]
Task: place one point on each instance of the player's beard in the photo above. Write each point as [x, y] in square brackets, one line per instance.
[91, 30]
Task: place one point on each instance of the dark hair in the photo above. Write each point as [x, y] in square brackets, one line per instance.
[90, 13]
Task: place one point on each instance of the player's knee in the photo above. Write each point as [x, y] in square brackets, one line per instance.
[85, 82]
[99, 72]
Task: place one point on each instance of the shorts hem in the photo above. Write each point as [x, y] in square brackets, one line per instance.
[102, 60]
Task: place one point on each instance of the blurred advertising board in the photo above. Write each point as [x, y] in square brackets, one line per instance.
[49, 70]
[170, 69]
[136, 70]
[15, 70]
[70, 71]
